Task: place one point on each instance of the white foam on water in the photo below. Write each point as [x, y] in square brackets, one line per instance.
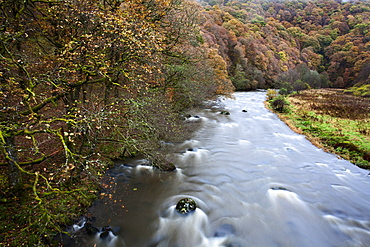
[357, 230]
[79, 225]
[189, 144]
[229, 125]
[110, 240]
[244, 142]
[298, 223]
[292, 136]
[321, 164]
[196, 154]
[144, 168]
[276, 195]
[195, 118]
[342, 188]
[261, 117]
[188, 230]
[340, 176]
[191, 141]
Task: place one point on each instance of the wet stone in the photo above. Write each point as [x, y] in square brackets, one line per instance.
[104, 234]
[279, 188]
[168, 166]
[225, 113]
[186, 205]
[90, 229]
[107, 228]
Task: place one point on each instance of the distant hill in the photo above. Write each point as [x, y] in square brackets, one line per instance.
[263, 42]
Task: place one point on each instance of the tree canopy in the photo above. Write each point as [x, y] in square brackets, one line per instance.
[260, 40]
[84, 82]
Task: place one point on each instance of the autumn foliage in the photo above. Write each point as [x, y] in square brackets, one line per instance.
[83, 82]
[261, 40]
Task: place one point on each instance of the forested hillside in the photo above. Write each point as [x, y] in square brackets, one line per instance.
[303, 43]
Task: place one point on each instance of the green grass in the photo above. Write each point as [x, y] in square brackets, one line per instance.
[339, 123]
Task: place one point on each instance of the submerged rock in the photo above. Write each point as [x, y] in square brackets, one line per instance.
[168, 166]
[104, 234]
[90, 229]
[279, 188]
[224, 230]
[107, 228]
[186, 205]
[190, 116]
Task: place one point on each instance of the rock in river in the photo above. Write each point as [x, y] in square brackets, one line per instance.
[90, 229]
[186, 205]
[225, 113]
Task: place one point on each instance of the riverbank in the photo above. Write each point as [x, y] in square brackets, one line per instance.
[39, 215]
[332, 120]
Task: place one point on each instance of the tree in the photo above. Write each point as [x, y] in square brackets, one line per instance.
[84, 81]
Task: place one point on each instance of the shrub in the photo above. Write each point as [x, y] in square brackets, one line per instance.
[271, 93]
[286, 88]
[279, 104]
[363, 90]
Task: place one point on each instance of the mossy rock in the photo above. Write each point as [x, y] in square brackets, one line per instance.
[168, 166]
[186, 205]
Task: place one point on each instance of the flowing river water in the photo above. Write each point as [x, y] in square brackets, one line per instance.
[256, 183]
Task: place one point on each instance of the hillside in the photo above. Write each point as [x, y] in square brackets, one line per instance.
[303, 43]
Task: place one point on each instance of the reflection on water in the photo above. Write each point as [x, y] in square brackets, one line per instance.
[256, 183]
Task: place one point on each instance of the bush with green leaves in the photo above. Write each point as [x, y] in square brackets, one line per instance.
[279, 104]
[286, 88]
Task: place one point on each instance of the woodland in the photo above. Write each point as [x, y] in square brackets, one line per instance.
[85, 82]
[305, 44]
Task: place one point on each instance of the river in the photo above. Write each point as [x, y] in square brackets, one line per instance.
[255, 182]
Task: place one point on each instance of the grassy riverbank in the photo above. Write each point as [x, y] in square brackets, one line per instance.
[332, 120]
